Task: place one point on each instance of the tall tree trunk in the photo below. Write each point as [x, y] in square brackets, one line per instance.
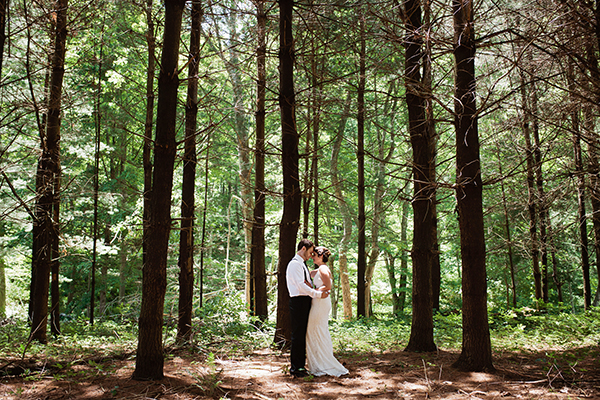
[292, 196]
[541, 197]
[360, 155]
[427, 91]
[149, 359]
[594, 170]
[580, 175]
[45, 229]
[593, 143]
[336, 182]
[403, 258]
[531, 202]
[383, 159]
[511, 265]
[2, 287]
[55, 264]
[258, 294]
[476, 354]
[423, 170]
[4, 6]
[390, 267]
[555, 273]
[186, 234]
[242, 138]
[148, 124]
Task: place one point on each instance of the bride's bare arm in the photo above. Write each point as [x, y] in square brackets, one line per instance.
[325, 276]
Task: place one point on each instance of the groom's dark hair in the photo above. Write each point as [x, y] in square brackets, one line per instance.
[305, 243]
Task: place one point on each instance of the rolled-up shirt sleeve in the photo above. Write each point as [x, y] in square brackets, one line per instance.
[295, 281]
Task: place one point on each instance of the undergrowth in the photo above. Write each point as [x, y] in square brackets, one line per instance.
[223, 329]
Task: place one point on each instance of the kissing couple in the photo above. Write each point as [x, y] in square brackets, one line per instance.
[310, 305]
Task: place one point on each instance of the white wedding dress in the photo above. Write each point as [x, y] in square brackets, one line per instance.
[319, 348]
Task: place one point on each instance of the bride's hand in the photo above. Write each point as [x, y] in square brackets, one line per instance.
[325, 291]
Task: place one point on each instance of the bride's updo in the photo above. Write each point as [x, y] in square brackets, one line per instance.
[323, 251]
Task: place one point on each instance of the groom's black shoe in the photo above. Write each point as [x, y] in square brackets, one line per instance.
[299, 373]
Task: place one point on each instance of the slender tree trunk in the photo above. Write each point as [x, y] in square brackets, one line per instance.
[580, 174]
[258, 294]
[594, 170]
[4, 6]
[423, 170]
[541, 197]
[149, 359]
[531, 202]
[186, 234]
[390, 267]
[360, 155]
[344, 210]
[2, 287]
[383, 159]
[148, 124]
[511, 265]
[427, 90]
[378, 204]
[292, 196]
[123, 268]
[555, 275]
[476, 354]
[242, 139]
[403, 258]
[46, 231]
[55, 265]
[593, 143]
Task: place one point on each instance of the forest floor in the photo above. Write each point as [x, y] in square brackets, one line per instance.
[549, 374]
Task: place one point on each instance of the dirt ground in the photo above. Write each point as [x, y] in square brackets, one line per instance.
[574, 374]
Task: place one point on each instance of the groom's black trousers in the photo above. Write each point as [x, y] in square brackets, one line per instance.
[299, 310]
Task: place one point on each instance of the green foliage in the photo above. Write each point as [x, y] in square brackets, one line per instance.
[530, 329]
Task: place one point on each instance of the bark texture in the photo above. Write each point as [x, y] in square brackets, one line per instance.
[476, 354]
[45, 228]
[188, 204]
[292, 196]
[149, 359]
[423, 170]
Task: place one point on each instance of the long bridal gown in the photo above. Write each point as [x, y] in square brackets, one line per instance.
[319, 348]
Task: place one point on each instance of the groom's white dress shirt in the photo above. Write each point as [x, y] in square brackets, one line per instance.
[296, 274]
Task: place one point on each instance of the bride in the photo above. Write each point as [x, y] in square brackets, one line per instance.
[319, 348]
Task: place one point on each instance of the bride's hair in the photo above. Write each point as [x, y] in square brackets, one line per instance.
[323, 251]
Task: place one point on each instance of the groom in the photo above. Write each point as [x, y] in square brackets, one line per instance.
[301, 294]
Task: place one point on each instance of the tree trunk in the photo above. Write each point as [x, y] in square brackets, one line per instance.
[476, 354]
[242, 140]
[531, 202]
[593, 143]
[148, 124]
[360, 155]
[344, 210]
[292, 196]
[541, 197]
[580, 175]
[511, 265]
[45, 229]
[594, 169]
[186, 234]
[423, 171]
[2, 286]
[403, 258]
[4, 6]
[427, 90]
[383, 159]
[258, 277]
[149, 359]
